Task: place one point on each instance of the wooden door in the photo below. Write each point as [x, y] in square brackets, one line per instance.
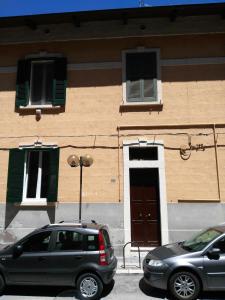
[145, 208]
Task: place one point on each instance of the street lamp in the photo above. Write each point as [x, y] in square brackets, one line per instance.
[83, 161]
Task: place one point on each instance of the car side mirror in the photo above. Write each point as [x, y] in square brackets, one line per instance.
[214, 253]
[17, 251]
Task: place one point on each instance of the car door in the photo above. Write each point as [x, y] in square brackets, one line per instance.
[66, 257]
[31, 266]
[214, 267]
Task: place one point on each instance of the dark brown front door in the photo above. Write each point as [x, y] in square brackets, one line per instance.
[145, 212]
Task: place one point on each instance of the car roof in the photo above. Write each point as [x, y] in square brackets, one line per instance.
[73, 225]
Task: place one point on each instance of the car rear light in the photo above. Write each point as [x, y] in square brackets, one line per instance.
[102, 254]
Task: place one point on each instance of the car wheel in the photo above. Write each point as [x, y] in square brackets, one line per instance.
[184, 286]
[89, 287]
[2, 284]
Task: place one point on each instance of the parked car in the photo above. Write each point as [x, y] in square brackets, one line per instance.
[186, 268]
[64, 254]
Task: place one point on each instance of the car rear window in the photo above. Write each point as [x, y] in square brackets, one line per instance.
[106, 238]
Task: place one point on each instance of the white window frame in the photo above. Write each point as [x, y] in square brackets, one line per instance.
[37, 200]
[159, 83]
[160, 165]
[31, 77]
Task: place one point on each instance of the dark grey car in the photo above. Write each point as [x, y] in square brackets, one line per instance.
[186, 268]
[78, 255]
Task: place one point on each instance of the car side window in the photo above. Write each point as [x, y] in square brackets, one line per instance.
[92, 242]
[37, 242]
[68, 240]
[220, 245]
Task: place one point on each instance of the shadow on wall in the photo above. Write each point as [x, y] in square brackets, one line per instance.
[8, 236]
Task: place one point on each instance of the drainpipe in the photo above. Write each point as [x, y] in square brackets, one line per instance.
[217, 163]
[118, 138]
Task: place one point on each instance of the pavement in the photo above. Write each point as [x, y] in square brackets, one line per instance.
[128, 286]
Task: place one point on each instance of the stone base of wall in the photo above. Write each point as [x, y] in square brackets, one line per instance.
[184, 219]
[16, 221]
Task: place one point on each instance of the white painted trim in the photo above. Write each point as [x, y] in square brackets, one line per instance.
[95, 66]
[159, 85]
[43, 54]
[162, 185]
[118, 64]
[8, 70]
[193, 61]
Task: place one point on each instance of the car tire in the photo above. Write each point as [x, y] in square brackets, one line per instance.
[2, 284]
[184, 286]
[89, 287]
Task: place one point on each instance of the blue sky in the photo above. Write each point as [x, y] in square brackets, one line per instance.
[30, 7]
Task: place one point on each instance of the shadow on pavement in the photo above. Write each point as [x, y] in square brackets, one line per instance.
[152, 292]
[52, 291]
[33, 291]
[161, 294]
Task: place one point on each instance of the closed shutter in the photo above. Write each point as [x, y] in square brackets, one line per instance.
[15, 175]
[141, 77]
[53, 174]
[59, 82]
[23, 83]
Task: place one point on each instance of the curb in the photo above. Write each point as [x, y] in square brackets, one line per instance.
[129, 271]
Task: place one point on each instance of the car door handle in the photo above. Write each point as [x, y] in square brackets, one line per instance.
[41, 258]
[78, 257]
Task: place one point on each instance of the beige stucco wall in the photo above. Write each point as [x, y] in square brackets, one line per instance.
[191, 94]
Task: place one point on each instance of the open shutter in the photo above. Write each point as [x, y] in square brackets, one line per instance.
[15, 175]
[22, 83]
[53, 175]
[60, 82]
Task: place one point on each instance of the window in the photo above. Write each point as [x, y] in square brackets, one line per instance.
[33, 176]
[69, 240]
[41, 82]
[143, 153]
[92, 242]
[37, 242]
[36, 175]
[220, 245]
[106, 238]
[42, 75]
[141, 77]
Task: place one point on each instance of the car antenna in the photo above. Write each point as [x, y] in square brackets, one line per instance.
[93, 221]
[61, 222]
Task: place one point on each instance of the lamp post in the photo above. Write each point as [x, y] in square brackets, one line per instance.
[83, 161]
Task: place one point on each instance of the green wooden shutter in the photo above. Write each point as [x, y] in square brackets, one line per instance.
[23, 83]
[60, 82]
[53, 175]
[15, 175]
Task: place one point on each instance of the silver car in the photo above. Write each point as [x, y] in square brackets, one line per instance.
[186, 268]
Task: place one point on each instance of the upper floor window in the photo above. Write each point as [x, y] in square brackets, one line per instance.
[141, 76]
[41, 82]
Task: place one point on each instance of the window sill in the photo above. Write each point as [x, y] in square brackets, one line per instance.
[30, 107]
[141, 106]
[36, 203]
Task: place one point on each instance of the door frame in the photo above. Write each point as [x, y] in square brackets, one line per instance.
[146, 164]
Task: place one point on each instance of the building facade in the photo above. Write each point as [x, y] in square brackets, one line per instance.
[143, 92]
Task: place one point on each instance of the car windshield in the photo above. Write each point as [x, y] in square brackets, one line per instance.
[200, 241]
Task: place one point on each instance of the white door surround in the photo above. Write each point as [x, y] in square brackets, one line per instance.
[160, 165]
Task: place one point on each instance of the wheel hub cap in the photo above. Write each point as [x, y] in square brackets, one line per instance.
[88, 287]
[184, 286]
